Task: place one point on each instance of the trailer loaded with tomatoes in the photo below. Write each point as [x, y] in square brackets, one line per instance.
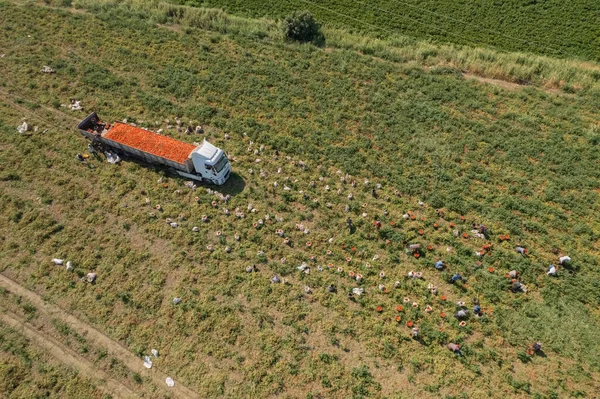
[203, 162]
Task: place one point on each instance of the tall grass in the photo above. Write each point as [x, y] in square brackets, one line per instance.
[522, 68]
[202, 18]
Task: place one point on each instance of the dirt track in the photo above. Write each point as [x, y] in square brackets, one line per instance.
[66, 355]
[93, 336]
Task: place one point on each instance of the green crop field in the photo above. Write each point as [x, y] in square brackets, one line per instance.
[311, 132]
[553, 27]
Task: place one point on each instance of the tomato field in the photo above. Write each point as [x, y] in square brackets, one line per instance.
[356, 167]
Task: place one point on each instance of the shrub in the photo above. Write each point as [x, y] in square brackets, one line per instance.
[301, 26]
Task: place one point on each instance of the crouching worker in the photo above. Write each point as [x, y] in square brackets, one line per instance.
[564, 260]
[455, 348]
[415, 332]
[483, 230]
[551, 271]
[534, 349]
[522, 250]
[462, 314]
[455, 278]
[517, 286]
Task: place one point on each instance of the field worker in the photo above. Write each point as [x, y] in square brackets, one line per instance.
[521, 250]
[551, 270]
[517, 286]
[374, 194]
[331, 288]
[415, 332]
[439, 265]
[456, 277]
[91, 278]
[477, 310]
[483, 230]
[564, 259]
[377, 224]
[523, 288]
[461, 314]
[537, 347]
[455, 348]
[349, 224]
[513, 274]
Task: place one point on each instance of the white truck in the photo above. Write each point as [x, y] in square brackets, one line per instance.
[204, 162]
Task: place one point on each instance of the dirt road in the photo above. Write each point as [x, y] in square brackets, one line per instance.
[93, 336]
[66, 355]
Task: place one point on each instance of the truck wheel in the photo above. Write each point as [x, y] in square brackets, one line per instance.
[173, 172]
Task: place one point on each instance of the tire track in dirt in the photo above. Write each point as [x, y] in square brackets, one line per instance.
[66, 355]
[95, 337]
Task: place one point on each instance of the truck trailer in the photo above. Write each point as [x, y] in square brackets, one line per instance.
[204, 162]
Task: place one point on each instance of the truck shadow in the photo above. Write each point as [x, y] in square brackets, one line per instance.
[233, 186]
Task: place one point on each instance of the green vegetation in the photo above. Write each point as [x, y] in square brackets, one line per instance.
[301, 26]
[26, 372]
[522, 161]
[520, 68]
[554, 27]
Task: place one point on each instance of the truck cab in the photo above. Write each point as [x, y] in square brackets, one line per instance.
[211, 162]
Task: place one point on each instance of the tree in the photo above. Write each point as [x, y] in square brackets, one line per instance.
[301, 26]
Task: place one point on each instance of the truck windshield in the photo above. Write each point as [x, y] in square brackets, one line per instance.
[221, 163]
